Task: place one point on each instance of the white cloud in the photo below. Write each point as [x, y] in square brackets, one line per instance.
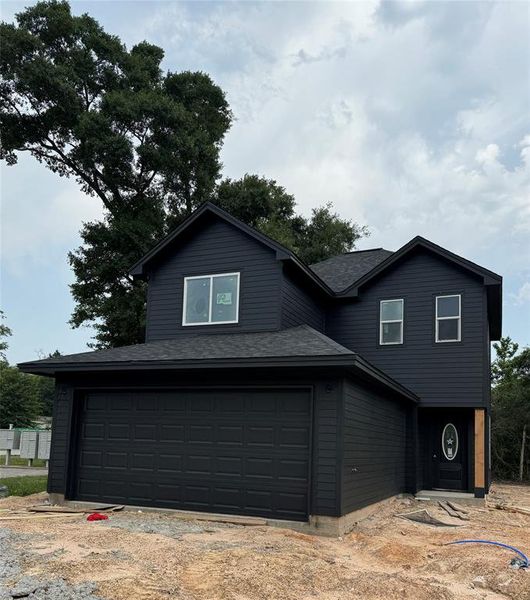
[522, 296]
[41, 215]
[411, 118]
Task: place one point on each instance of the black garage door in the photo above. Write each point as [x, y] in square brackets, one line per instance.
[231, 451]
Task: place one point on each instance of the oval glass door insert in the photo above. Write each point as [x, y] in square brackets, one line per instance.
[450, 441]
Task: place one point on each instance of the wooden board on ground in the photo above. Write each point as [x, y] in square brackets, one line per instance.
[29, 516]
[513, 509]
[45, 508]
[457, 507]
[451, 512]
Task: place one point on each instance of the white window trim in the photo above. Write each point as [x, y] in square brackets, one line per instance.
[382, 322]
[459, 317]
[211, 278]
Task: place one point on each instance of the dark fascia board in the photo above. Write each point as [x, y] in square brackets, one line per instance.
[352, 362]
[38, 368]
[282, 253]
[488, 277]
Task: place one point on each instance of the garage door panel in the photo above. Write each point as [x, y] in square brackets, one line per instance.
[235, 451]
[230, 434]
[170, 463]
[294, 437]
[172, 433]
[260, 436]
[116, 460]
[118, 431]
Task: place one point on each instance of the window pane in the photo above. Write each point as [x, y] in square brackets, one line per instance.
[391, 310]
[224, 301]
[197, 300]
[448, 329]
[448, 307]
[391, 333]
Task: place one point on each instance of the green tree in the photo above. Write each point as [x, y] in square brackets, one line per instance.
[265, 205]
[45, 387]
[4, 333]
[510, 411]
[19, 401]
[146, 143]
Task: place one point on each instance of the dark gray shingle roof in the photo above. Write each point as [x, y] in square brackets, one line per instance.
[300, 346]
[339, 272]
[302, 341]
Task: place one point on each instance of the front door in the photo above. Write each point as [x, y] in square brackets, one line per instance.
[449, 452]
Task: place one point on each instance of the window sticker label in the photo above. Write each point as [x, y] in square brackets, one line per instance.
[224, 298]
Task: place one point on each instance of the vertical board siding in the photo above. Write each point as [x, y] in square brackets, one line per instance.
[217, 248]
[440, 373]
[375, 444]
[61, 424]
[298, 307]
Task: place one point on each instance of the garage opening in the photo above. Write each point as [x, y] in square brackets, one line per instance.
[237, 451]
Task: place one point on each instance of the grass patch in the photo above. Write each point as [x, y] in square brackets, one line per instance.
[16, 461]
[24, 486]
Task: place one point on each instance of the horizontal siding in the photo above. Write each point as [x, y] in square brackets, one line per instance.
[441, 374]
[298, 307]
[217, 248]
[325, 496]
[375, 443]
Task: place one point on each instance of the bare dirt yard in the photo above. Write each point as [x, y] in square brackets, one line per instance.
[156, 556]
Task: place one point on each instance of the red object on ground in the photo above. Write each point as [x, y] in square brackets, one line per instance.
[97, 517]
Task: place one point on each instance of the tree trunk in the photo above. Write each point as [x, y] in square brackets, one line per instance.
[521, 459]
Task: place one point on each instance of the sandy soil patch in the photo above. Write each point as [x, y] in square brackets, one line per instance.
[154, 556]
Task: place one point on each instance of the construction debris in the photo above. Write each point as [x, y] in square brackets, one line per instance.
[31, 517]
[49, 508]
[457, 507]
[513, 509]
[424, 516]
[452, 512]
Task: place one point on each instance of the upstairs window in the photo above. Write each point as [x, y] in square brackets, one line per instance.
[211, 299]
[391, 322]
[448, 318]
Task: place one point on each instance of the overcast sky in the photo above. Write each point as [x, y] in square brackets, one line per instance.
[411, 118]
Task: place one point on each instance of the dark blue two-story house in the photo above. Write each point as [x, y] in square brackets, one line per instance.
[272, 388]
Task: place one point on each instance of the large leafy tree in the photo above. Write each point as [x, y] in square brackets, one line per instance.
[145, 142]
[5, 332]
[19, 397]
[266, 206]
[511, 411]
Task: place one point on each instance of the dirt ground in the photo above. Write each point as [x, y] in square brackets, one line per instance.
[155, 556]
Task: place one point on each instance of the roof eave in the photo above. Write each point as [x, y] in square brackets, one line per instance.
[51, 369]
[349, 361]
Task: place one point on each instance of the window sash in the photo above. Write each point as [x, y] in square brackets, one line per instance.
[382, 322]
[185, 323]
[456, 317]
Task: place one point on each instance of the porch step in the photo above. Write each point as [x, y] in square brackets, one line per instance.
[460, 497]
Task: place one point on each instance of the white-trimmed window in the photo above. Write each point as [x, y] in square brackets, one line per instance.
[391, 322]
[211, 299]
[448, 318]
